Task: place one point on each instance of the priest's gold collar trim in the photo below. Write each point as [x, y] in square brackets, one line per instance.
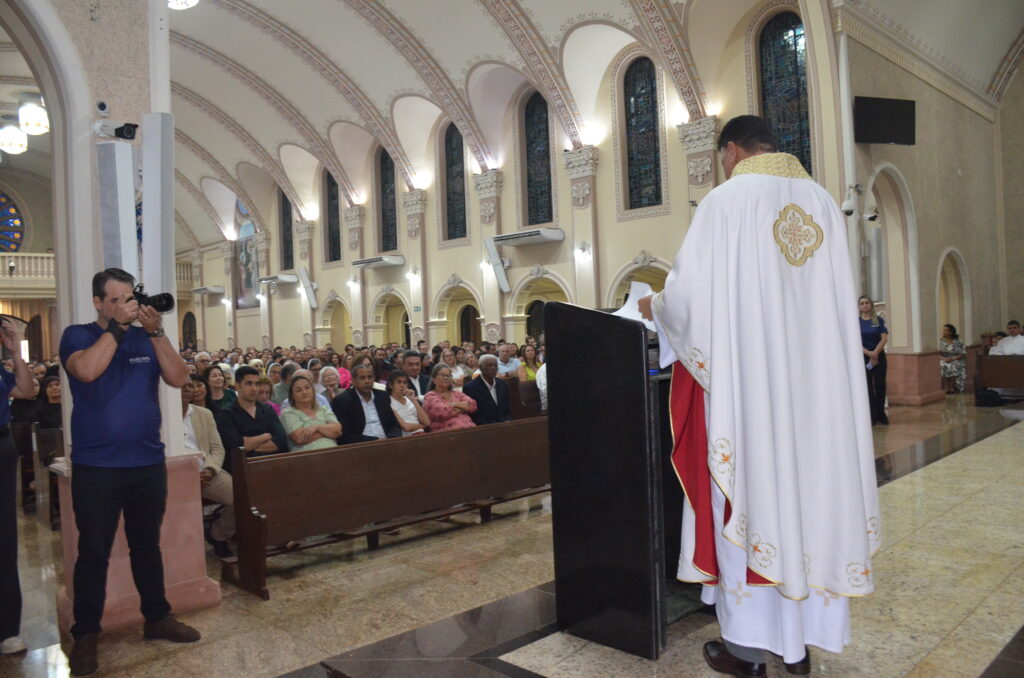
[775, 164]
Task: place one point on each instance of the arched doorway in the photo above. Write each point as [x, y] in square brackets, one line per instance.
[341, 325]
[890, 274]
[535, 319]
[469, 325]
[188, 330]
[527, 314]
[406, 338]
[651, 275]
[954, 298]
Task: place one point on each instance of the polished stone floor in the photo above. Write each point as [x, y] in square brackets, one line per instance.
[952, 575]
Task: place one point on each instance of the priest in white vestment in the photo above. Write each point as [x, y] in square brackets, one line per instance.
[1012, 343]
[770, 410]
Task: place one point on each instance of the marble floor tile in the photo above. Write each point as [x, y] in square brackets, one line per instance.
[255, 654]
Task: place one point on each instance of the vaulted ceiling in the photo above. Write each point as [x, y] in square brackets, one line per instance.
[267, 92]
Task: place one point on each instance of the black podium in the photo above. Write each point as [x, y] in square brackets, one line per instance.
[616, 501]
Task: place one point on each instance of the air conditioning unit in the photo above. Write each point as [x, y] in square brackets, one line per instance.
[534, 236]
[279, 278]
[212, 289]
[386, 261]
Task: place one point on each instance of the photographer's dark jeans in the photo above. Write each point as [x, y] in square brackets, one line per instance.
[10, 587]
[99, 496]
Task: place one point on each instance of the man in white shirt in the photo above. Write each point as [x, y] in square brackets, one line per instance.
[542, 386]
[215, 483]
[1012, 343]
[508, 364]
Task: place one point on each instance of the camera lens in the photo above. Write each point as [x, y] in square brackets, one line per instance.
[162, 302]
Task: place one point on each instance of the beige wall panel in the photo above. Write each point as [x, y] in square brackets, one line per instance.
[1011, 121]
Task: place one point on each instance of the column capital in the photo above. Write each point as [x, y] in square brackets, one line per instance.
[581, 163]
[700, 135]
[415, 204]
[227, 249]
[304, 232]
[262, 240]
[355, 217]
[488, 184]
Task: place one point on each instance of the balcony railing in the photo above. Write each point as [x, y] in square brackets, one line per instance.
[183, 272]
[28, 265]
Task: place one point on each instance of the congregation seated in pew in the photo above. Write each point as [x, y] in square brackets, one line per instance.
[447, 408]
[364, 412]
[490, 394]
[411, 416]
[309, 424]
[250, 424]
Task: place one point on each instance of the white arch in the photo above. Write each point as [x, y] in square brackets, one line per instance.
[910, 222]
[332, 300]
[384, 292]
[46, 44]
[965, 280]
[441, 299]
[514, 303]
[632, 266]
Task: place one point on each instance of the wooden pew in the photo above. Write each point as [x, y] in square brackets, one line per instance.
[362, 489]
[523, 399]
[21, 434]
[47, 443]
[999, 371]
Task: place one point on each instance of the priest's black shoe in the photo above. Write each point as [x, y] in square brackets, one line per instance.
[722, 661]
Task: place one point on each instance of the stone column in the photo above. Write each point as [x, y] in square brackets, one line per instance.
[304, 230]
[581, 166]
[198, 300]
[698, 138]
[415, 204]
[227, 250]
[488, 190]
[355, 219]
[262, 241]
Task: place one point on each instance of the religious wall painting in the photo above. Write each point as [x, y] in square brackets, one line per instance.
[247, 273]
[12, 225]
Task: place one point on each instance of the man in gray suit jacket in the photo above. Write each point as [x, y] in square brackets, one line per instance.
[215, 483]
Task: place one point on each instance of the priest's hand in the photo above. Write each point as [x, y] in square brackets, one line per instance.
[645, 307]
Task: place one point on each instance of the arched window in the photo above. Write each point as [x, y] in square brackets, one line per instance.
[388, 203]
[454, 184]
[538, 160]
[332, 217]
[782, 51]
[643, 154]
[285, 218]
[12, 226]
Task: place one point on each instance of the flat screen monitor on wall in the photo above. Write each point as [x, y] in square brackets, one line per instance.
[883, 121]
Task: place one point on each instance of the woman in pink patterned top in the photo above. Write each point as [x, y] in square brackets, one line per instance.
[448, 409]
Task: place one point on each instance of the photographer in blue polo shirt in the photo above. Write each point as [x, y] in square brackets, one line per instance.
[114, 366]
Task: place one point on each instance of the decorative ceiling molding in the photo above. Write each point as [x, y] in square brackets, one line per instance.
[200, 197]
[1007, 67]
[269, 164]
[867, 33]
[431, 72]
[19, 80]
[376, 122]
[186, 229]
[7, 170]
[665, 28]
[223, 176]
[320, 148]
[541, 61]
[9, 47]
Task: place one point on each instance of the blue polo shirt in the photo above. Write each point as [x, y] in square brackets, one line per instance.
[115, 420]
[7, 384]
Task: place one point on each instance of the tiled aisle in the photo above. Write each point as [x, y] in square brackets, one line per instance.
[950, 582]
[950, 585]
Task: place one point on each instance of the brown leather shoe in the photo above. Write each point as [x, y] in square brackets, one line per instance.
[170, 629]
[83, 659]
[722, 661]
[802, 667]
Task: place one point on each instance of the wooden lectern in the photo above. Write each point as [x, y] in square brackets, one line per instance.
[616, 500]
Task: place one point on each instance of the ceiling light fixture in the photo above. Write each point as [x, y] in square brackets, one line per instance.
[32, 117]
[12, 139]
[182, 4]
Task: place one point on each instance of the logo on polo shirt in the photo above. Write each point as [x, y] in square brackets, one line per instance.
[140, 360]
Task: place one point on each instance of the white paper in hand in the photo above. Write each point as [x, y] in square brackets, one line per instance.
[631, 309]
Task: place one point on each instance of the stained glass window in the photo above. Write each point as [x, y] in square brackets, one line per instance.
[538, 160]
[783, 54]
[643, 152]
[454, 184]
[12, 226]
[333, 219]
[388, 204]
[287, 251]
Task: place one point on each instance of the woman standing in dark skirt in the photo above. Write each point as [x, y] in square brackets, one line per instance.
[874, 336]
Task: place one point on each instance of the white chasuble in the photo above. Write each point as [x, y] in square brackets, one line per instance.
[761, 311]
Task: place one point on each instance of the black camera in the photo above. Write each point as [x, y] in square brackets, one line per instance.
[163, 302]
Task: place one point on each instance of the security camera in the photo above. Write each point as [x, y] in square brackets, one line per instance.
[10, 265]
[103, 108]
[110, 128]
[849, 206]
[872, 214]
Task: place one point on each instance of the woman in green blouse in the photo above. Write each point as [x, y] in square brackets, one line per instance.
[309, 426]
